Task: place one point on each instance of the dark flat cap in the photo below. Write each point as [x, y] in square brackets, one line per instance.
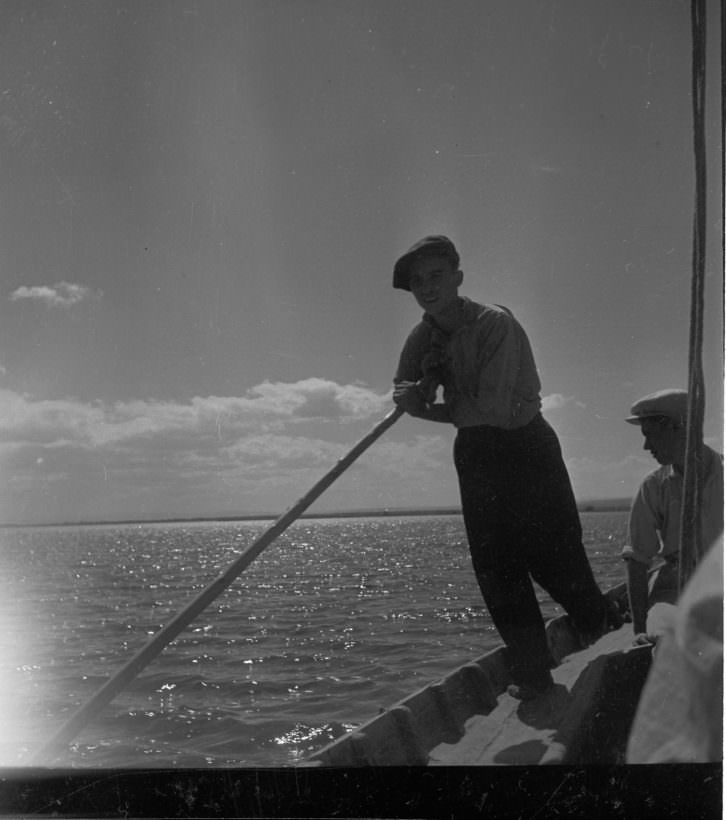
[428, 246]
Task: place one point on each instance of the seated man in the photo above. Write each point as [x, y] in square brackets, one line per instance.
[655, 516]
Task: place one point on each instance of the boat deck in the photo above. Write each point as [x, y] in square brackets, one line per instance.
[568, 723]
[467, 718]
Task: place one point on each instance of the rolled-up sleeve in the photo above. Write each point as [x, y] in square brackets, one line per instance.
[643, 541]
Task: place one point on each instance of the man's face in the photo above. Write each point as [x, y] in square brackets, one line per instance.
[434, 282]
[662, 439]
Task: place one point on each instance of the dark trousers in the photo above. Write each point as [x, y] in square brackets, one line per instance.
[522, 524]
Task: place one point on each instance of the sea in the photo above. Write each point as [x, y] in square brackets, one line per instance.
[337, 619]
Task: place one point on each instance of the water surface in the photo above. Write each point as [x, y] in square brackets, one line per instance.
[336, 619]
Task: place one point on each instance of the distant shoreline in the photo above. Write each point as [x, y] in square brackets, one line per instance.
[612, 505]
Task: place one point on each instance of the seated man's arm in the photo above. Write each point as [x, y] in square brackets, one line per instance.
[638, 593]
[642, 543]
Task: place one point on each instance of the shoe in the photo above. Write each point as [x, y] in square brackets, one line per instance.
[611, 620]
[531, 690]
[613, 617]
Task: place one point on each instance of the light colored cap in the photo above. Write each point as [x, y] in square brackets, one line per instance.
[671, 404]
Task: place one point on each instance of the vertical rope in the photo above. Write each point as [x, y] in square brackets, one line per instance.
[691, 547]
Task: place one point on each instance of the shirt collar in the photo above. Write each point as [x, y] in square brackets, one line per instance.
[469, 310]
[709, 459]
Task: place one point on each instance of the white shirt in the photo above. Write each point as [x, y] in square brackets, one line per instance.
[490, 375]
[655, 516]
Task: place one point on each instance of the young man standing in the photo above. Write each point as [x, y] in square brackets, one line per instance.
[655, 516]
[519, 510]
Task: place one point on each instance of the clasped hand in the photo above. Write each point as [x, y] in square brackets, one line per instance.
[408, 396]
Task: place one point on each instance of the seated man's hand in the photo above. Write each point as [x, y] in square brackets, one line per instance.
[643, 639]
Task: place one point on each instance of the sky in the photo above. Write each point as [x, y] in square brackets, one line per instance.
[202, 203]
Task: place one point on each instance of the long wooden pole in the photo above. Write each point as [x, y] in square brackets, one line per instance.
[167, 634]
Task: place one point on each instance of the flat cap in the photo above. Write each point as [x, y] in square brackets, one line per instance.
[671, 404]
[428, 246]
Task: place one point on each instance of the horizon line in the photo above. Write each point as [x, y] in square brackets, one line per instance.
[589, 505]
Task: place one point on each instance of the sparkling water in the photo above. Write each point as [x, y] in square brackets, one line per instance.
[335, 620]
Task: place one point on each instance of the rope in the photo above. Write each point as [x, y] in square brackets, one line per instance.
[691, 547]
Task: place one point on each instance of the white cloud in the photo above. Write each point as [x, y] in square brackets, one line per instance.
[60, 295]
[280, 452]
[222, 419]
[547, 169]
[556, 401]
[319, 398]
[64, 459]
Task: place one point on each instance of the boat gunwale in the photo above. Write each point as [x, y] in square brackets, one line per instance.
[406, 732]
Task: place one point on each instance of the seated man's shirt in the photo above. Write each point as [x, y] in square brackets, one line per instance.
[655, 516]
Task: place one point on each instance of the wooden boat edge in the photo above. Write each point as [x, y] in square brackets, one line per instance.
[424, 728]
